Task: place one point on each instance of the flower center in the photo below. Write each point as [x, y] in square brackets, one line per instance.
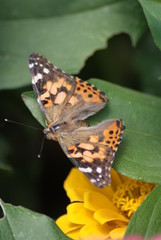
[130, 195]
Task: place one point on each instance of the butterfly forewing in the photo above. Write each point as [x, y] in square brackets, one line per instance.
[85, 101]
[53, 88]
[61, 96]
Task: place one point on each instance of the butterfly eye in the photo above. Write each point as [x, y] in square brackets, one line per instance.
[55, 127]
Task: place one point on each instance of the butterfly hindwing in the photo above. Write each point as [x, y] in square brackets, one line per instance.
[95, 162]
[94, 148]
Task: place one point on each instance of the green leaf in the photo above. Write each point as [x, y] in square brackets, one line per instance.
[21, 223]
[152, 10]
[66, 40]
[148, 56]
[139, 155]
[147, 221]
[31, 103]
[16, 9]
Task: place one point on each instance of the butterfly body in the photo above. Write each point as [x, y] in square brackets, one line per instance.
[60, 130]
[65, 102]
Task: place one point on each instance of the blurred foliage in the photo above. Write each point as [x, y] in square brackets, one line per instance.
[107, 40]
[67, 40]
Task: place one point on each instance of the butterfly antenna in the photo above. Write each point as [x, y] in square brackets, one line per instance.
[21, 124]
[41, 148]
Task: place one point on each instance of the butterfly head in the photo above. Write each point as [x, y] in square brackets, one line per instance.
[53, 130]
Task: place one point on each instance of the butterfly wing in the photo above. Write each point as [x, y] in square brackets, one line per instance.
[53, 88]
[62, 97]
[92, 149]
[85, 101]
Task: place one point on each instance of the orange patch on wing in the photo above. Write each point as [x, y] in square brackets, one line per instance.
[48, 85]
[87, 156]
[87, 146]
[94, 138]
[102, 149]
[96, 155]
[68, 87]
[88, 93]
[113, 127]
[51, 87]
[87, 159]
[48, 104]
[60, 97]
[76, 155]
[112, 135]
[72, 148]
[99, 155]
[59, 82]
[73, 100]
[44, 96]
[54, 89]
[87, 153]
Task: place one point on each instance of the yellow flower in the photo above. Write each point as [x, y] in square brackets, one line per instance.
[98, 214]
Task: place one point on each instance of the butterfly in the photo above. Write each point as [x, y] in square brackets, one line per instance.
[65, 102]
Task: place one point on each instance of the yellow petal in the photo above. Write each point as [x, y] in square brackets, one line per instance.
[116, 179]
[76, 194]
[95, 200]
[79, 183]
[107, 215]
[74, 234]
[118, 233]
[124, 178]
[78, 214]
[107, 191]
[66, 226]
[94, 231]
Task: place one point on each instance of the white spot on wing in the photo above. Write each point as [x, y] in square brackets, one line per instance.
[31, 65]
[99, 169]
[89, 169]
[86, 170]
[36, 78]
[92, 180]
[46, 70]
